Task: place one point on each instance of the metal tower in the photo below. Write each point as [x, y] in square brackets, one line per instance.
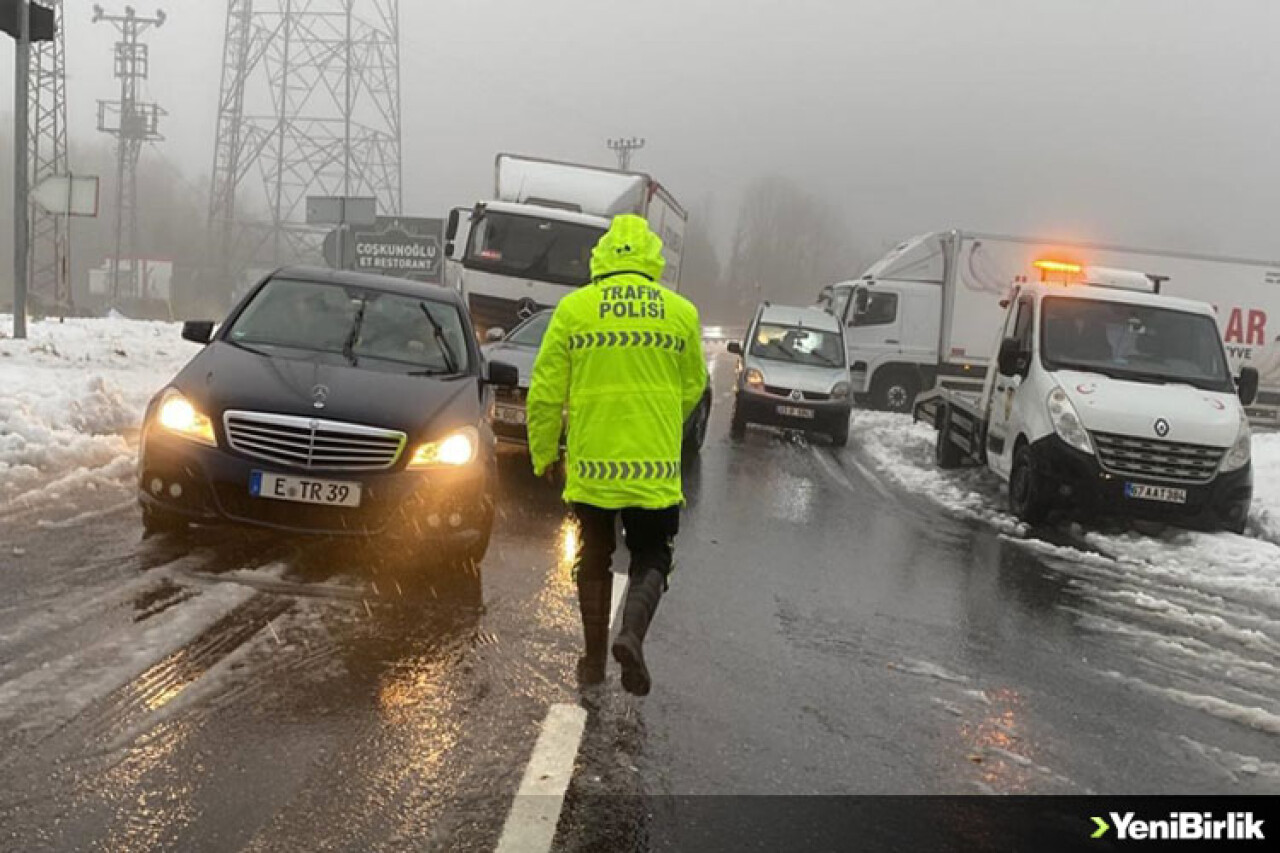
[310, 103]
[131, 122]
[624, 148]
[47, 123]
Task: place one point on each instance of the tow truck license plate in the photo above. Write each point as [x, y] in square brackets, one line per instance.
[795, 412]
[509, 415]
[304, 490]
[1164, 494]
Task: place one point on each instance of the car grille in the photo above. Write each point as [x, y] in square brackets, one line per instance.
[311, 443]
[489, 312]
[1163, 460]
[811, 396]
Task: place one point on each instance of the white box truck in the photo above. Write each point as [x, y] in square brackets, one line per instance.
[922, 315]
[529, 245]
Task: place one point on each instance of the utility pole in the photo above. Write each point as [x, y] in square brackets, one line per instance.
[131, 123]
[309, 107]
[623, 148]
[50, 264]
[21, 228]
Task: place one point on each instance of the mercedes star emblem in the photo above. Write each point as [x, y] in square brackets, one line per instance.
[526, 308]
[320, 396]
[1162, 427]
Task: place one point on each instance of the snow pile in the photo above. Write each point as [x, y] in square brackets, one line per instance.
[904, 451]
[1264, 517]
[72, 397]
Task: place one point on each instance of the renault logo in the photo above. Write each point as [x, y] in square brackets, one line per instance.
[1161, 427]
[526, 308]
[797, 395]
[320, 396]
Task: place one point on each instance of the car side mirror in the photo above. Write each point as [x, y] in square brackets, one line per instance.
[501, 374]
[198, 331]
[495, 334]
[1011, 360]
[1247, 385]
[735, 347]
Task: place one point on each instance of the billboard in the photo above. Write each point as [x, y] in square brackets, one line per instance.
[402, 246]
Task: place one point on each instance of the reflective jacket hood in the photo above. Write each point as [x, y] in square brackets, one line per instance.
[628, 247]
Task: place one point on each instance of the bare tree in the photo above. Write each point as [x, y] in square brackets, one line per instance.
[787, 245]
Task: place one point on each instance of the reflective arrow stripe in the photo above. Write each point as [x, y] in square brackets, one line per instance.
[628, 469]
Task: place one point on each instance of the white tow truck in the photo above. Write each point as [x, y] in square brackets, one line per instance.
[1106, 398]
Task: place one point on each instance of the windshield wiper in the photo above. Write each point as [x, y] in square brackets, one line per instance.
[450, 363]
[349, 345]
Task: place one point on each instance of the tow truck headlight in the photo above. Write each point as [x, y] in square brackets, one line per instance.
[840, 391]
[1066, 422]
[178, 416]
[453, 451]
[754, 379]
[1242, 451]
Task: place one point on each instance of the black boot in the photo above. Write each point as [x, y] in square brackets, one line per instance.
[594, 597]
[628, 649]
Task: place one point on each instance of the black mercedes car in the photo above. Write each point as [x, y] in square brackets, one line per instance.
[335, 403]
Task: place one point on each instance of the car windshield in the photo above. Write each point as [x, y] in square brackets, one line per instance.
[797, 345]
[356, 322]
[533, 247]
[1137, 342]
[530, 332]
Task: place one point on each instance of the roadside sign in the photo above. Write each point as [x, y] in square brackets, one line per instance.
[41, 24]
[68, 195]
[402, 246]
[340, 210]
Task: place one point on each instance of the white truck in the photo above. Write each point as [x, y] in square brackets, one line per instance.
[528, 246]
[921, 315]
[1106, 397]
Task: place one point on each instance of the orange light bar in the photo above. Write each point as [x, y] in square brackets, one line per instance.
[1059, 266]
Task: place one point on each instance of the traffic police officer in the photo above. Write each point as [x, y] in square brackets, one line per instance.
[623, 357]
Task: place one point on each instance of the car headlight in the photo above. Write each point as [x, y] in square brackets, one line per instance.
[178, 416]
[1242, 451]
[1066, 422]
[754, 378]
[840, 391]
[453, 451]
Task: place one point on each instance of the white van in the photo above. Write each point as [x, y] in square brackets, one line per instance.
[1107, 398]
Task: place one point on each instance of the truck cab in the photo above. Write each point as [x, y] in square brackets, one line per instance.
[1106, 397]
[891, 332]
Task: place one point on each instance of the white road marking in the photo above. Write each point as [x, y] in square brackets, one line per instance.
[619, 593]
[840, 477]
[531, 824]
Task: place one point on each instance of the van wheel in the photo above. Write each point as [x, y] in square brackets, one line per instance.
[738, 425]
[1026, 491]
[840, 435]
[895, 391]
[947, 452]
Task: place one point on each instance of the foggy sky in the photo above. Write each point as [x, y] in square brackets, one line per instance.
[1153, 123]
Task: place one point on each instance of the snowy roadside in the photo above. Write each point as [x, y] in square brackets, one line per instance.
[71, 401]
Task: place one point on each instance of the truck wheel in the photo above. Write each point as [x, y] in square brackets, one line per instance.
[155, 521]
[895, 391]
[947, 452]
[738, 425]
[1026, 492]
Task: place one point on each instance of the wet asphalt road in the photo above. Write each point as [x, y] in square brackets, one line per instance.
[826, 633]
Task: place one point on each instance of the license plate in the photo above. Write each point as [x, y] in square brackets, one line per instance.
[795, 412]
[304, 490]
[1163, 494]
[509, 415]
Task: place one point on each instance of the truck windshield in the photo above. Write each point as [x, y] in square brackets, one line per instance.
[1136, 342]
[799, 346]
[533, 247]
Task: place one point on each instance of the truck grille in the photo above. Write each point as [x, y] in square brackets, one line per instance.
[1152, 458]
[312, 443]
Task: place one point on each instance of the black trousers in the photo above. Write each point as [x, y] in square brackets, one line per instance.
[650, 537]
